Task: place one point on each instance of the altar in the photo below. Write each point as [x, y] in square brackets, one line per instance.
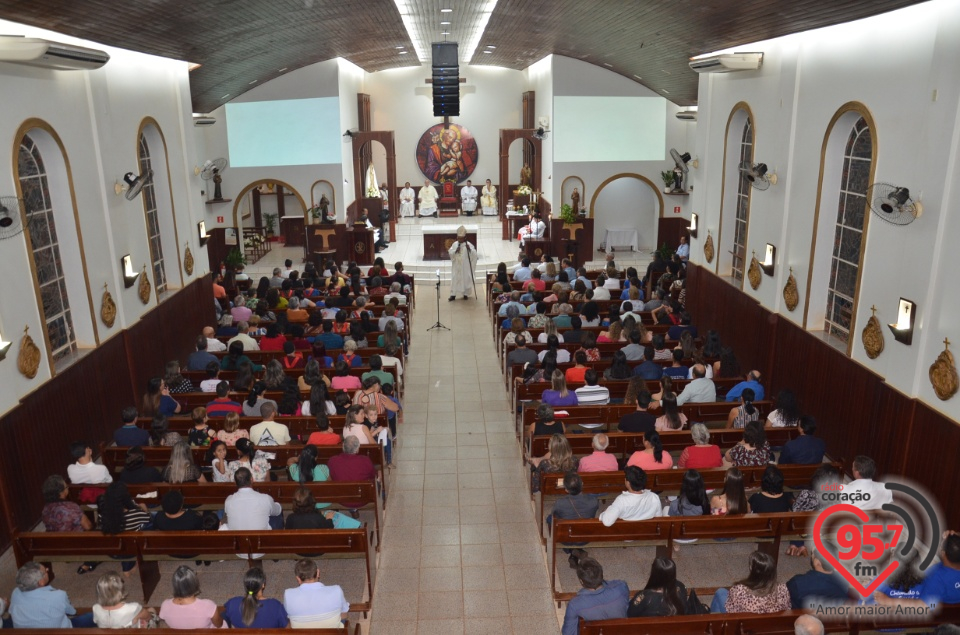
[438, 238]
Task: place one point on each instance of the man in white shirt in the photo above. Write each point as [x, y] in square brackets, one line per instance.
[700, 390]
[249, 344]
[213, 378]
[406, 200]
[391, 359]
[287, 268]
[626, 310]
[248, 509]
[268, 431]
[395, 292]
[313, 604]
[683, 251]
[85, 471]
[468, 198]
[600, 293]
[873, 495]
[591, 394]
[536, 229]
[634, 504]
[277, 280]
[213, 344]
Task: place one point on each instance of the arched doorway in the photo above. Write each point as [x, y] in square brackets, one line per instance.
[262, 205]
[627, 200]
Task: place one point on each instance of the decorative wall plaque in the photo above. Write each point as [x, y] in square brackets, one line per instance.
[144, 290]
[872, 336]
[188, 260]
[791, 295]
[708, 248]
[754, 273]
[28, 361]
[943, 374]
[447, 153]
[108, 308]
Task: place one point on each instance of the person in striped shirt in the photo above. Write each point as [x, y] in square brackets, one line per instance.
[592, 394]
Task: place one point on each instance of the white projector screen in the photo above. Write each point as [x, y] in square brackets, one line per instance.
[609, 129]
[286, 132]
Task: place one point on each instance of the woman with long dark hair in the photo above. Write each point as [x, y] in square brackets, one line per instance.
[787, 413]
[692, 500]
[746, 412]
[319, 402]
[732, 499]
[757, 593]
[118, 513]
[663, 595]
[252, 610]
[752, 451]
[652, 456]
[672, 418]
[728, 367]
[252, 459]
[176, 382]
[157, 400]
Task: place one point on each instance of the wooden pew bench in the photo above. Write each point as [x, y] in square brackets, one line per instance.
[767, 530]
[341, 495]
[301, 426]
[348, 629]
[606, 485]
[147, 548]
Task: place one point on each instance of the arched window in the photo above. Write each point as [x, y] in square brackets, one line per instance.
[742, 218]
[44, 243]
[153, 220]
[848, 237]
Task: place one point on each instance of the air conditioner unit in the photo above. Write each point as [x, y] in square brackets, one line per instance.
[203, 120]
[47, 54]
[727, 63]
[687, 115]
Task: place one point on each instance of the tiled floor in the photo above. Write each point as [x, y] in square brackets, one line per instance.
[460, 550]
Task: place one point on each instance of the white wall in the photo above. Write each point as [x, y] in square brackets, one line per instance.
[912, 92]
[573, 77]
[96, 115]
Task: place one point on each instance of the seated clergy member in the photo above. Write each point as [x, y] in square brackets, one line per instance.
[248, 509]
[599, 461]
[700, 390]
[752, 382]
[312, 604]
[599, 599]
[805, 449]
[637, 503]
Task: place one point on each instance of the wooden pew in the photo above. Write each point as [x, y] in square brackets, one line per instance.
[768, 530]
[348, 629]
[301, 426]
[760, 624]
[113, 457]
[610, 484]
[342, 495]
[149, 547]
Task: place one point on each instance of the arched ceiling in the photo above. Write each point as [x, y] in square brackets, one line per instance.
[241, 43]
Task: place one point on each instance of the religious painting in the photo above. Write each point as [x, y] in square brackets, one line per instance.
[447, 153]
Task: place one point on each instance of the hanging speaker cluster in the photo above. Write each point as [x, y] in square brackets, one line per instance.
[446, 80]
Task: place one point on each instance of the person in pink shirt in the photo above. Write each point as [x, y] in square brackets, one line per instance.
[185, 610]
[599, 461]
[652, 457]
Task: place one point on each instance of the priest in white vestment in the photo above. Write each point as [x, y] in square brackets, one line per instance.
[428, 199]
[463, 264]
[406, 200]
[365, 219]
[468, 198]
[536, 229]
[488, 199]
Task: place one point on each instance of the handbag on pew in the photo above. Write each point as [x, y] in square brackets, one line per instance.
[342, 521]
[695, 606]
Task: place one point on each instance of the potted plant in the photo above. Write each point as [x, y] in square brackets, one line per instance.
[568, 215]
[270, 223]
[234, 259]
[667, 176]
[315, 214]
[666, 252]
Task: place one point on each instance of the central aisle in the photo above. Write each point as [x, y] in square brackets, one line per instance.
[460, 550]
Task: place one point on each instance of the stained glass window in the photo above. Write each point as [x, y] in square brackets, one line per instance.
[743, 205]
[848, 236]
[44, 241]
[153, 221]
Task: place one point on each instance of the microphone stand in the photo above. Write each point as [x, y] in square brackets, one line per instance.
[438, 325]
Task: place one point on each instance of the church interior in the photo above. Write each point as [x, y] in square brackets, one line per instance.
[788, 171]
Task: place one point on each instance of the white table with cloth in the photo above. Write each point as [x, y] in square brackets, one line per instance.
[621, 237]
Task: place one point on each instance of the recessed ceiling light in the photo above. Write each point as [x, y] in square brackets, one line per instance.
[488, 52]
[608, 65]
[398, 48]
[446, 10]
[445, 22]
[664, 90]
[403, 52]
[638, 77]
[225, 96]
[252, 83]
[665, 71]
[491, 46]
[282, 69]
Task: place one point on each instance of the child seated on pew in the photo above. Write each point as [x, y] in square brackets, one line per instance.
[200, 433]
[217, 456]
[371, 413]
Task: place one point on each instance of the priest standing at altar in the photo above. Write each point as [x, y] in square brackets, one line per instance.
[468, 198]
[488, 199]
[463, 264]
[406, 200]
[428, 199]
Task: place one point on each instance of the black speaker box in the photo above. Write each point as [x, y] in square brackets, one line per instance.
[445, 54]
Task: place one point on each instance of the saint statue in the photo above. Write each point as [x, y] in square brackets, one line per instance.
[526, 175]
[371, 189]
[677, 179]
[324, 205]
[217, 180]
[575, 201]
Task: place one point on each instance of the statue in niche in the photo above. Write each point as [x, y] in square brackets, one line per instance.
[371, 190]
[575, 201]
[526, 175]
[217, 180]
[324, 205]
[677, 179]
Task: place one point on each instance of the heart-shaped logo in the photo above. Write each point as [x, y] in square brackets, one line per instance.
[849, 536]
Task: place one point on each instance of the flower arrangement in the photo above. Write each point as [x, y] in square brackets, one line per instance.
[568, 215]
[523, 190]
